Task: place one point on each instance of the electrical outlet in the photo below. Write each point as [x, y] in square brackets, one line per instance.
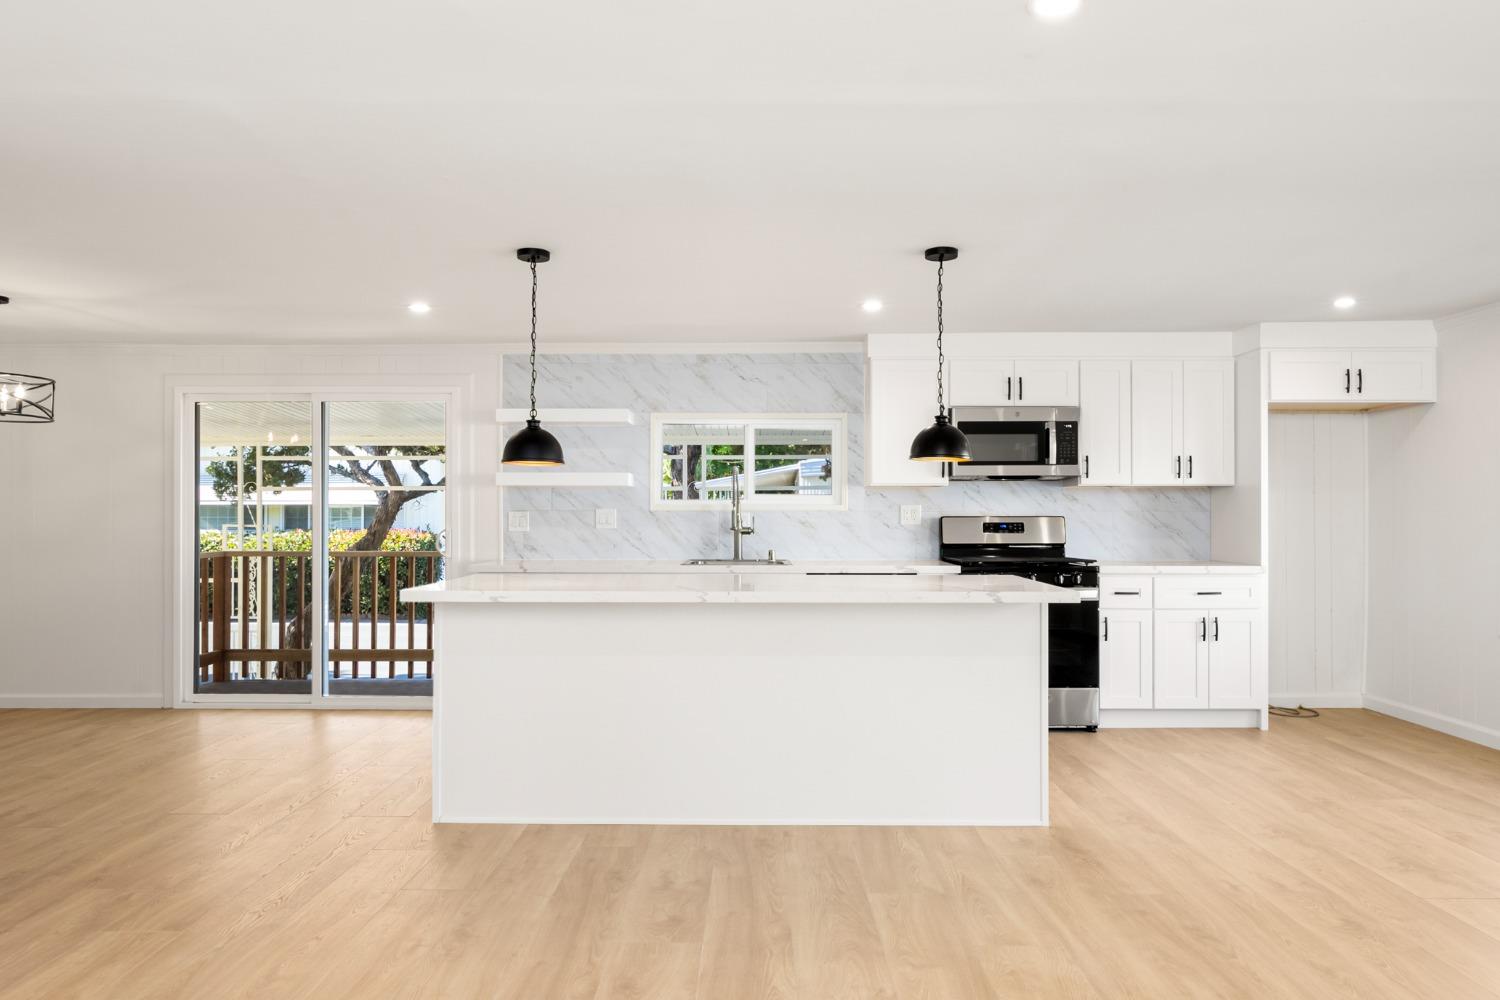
[604, 518]
[911, 515]
[520, 520]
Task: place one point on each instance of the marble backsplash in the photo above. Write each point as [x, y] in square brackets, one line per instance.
[1103, 523]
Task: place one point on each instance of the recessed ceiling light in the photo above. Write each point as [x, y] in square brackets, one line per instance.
[1053, 10]
[872, 305]
[1345, 302]
[420, 308]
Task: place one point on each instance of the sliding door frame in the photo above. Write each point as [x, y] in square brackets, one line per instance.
[182, 550]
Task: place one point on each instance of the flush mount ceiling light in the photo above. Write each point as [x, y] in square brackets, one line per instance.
[1345, 302]
[531, 445]
[872, 305]
[420, 308]
[1053, 10]
[942, 442]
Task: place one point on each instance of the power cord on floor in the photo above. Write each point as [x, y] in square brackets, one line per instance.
[1300, 712]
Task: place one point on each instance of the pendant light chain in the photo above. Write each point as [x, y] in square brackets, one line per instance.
[533, 340]
[940, 337]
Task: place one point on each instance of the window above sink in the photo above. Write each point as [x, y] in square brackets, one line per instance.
[786, 461]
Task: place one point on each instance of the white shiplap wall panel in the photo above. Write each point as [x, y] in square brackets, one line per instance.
[1318, 557]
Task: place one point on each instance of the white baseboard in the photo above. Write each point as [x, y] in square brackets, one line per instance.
[80, 701]
[1179, 718]
[1474, 733]
[1319, 699]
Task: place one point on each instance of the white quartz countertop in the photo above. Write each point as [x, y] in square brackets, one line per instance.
[1111, 566]
[921, 567]
[734, 588]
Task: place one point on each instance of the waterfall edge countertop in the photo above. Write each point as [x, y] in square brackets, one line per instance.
[735, 588]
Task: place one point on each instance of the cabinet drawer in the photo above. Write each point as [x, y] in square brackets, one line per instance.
[1210, 591]
[1125, 592]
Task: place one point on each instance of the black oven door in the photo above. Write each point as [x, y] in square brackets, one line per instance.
[1073, 665]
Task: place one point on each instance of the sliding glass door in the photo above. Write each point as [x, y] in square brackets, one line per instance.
[299, 563]
[384, 512]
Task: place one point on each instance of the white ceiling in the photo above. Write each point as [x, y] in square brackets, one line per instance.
[175, 170]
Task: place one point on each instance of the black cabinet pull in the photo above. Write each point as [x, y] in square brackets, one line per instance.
[1216, 628]
[1202, 629]
[1127, 593]
[1361, 380]
[1179, 466]
[1346, 381]
[1105, 623]
[1020, 386]
[1210, 593]
[1085, 467]
[1190, 466]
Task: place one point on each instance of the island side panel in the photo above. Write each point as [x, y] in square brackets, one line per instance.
[890, 714]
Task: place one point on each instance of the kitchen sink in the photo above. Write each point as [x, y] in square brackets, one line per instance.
[737, 562]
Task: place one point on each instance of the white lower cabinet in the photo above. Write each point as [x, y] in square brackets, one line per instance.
[1125, 659]
[1236, 657]
[1178, 641]
[1181, 674]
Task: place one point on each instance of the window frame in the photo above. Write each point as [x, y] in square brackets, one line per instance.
[838, 423]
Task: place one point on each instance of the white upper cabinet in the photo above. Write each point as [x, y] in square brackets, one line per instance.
[1208, 422]
[1182, 422]
[1104, 422]
[900, 400]
[1155, 422]
[1354, 379]
[1000, 382]
[1042, 382]
[1395, 376]
[981, 382]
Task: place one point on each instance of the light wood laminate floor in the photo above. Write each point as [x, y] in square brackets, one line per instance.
[289, 854]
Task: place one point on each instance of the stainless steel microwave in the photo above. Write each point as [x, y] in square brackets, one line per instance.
[1017, 442]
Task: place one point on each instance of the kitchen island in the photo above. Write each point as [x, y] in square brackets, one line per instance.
[740, 698]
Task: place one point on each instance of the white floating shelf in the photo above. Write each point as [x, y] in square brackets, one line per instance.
[592, 415]
[566, 479]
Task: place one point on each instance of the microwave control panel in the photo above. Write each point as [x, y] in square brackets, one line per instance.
[1067, 444]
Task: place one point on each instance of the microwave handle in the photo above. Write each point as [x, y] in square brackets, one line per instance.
[1052, 442]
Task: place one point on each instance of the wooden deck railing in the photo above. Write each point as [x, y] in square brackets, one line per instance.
[255, 612]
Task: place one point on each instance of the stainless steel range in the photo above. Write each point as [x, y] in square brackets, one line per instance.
[1033, 547]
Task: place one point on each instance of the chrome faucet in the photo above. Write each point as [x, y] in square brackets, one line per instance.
[737, 527]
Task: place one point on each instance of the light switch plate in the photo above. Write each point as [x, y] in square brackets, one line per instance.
[604, 518]
[911, 515]
[520, 520]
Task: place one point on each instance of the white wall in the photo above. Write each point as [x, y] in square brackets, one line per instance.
[1434, 508]
[83, 501]
[1317, 558]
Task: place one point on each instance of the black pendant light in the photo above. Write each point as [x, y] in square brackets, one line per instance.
[942, 442]
[531, 445]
